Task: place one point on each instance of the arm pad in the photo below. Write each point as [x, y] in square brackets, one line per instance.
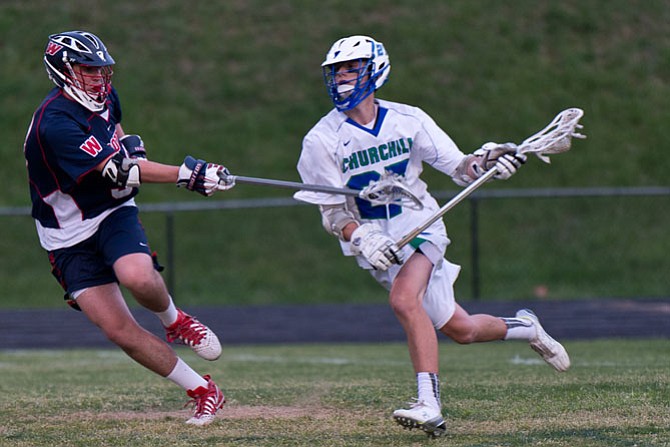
[335, 217]
[123, 172]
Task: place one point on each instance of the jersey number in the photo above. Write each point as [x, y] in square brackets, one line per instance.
[360, 181]
[119, 193]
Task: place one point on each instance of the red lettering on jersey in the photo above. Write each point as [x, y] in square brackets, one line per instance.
[53, 48]
[114, 142]
[91, 146]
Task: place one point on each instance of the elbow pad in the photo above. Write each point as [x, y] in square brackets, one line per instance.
[121, 171]
[335, 217]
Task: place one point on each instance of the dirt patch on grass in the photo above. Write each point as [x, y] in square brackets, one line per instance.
[268, 412]
[228, 412]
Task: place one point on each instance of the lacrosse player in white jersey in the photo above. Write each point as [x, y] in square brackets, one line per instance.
[358, 141]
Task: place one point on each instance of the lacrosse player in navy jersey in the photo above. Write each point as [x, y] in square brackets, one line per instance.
[84, 173]
[357, 142]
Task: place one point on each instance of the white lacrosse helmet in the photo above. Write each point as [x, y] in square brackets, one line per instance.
[375, 65]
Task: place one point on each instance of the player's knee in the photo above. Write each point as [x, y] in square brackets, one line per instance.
[403, 305]
[142, 283]
[136, 273]
[124, 334]
[464, 338]
[462, 334]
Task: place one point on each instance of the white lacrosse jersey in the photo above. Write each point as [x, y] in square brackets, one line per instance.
[339, 152]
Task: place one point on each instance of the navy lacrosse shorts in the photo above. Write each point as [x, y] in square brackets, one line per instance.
[89, 263]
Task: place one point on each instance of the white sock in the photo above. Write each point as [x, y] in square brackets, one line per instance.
[185, 377]
[519, 329]
[428, 385]
[169, 315]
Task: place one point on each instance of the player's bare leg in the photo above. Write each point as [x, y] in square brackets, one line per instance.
[406, 297]
[464, 328]
[105, 307]
[137, 273]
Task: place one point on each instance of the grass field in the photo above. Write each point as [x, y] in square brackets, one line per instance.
[239, 82]
[500, 394]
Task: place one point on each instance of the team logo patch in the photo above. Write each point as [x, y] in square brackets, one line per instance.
[53, 48]
[91, 146]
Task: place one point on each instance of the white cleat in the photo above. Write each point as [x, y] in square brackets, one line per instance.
[422, 416]
[551, 351]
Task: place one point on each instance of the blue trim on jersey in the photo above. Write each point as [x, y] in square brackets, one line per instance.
[381, 114]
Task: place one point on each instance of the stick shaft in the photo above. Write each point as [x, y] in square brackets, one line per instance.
[292, 185]
[533, 144]
[458, 198]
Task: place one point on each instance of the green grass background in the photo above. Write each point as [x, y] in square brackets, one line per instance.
[493, 394]
[239, 82]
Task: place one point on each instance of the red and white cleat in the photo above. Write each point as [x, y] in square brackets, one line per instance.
[195, 335]
[206, 402]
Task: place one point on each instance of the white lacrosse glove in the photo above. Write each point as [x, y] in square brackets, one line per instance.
[375, 246]
[202, 177]
[503, 157]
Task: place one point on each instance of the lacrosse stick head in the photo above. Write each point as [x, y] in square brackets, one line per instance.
[390, 189]
[556, 138]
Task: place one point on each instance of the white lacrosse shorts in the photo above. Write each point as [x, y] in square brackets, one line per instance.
[439, 300]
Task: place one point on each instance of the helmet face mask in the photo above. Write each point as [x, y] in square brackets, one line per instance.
[94, 82]
[347, 87]
[78, 62]
[356, 54]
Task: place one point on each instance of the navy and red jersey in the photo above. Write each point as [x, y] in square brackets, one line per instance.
[64, 144]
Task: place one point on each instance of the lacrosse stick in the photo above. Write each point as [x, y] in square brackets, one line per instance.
[388, 190]
[556, 138]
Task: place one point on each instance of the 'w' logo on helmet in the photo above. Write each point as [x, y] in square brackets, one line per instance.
[53, 48]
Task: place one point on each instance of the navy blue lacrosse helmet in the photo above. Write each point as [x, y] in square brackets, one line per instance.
[70, 48]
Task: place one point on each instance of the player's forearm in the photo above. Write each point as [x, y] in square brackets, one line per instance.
[348, 229]
[153, 172]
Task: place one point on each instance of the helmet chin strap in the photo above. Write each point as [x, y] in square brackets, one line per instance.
[82, 98]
